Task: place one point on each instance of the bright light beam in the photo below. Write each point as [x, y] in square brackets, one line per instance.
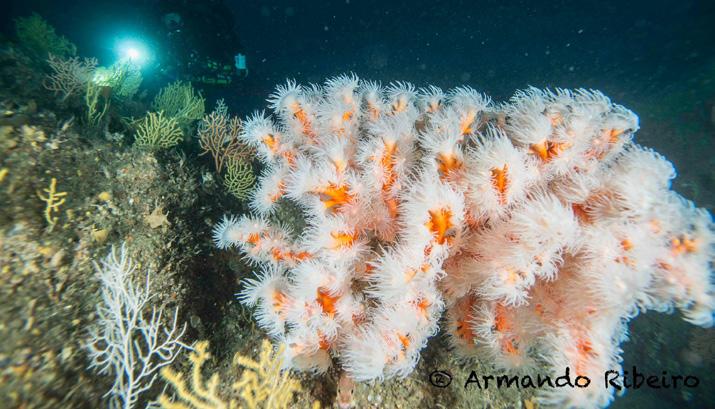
[133, 51]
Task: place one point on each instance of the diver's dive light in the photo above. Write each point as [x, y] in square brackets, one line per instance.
[133, 51]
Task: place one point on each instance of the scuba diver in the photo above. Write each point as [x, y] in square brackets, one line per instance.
[200, 42]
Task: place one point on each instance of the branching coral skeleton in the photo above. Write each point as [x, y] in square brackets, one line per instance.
[218, 135]
[128, 342]
[70, 76]
[54, 200]
[262, 383]
[538, 225]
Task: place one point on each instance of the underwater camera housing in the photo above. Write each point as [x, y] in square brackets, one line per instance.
[240, 63]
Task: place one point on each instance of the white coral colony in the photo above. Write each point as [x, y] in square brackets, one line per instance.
[537, 227]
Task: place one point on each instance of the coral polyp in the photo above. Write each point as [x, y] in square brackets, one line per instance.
[531, 231]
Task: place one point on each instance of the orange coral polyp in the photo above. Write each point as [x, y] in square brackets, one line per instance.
[556, 118]
[465, 125]
[253, 238]
[585, 348]
[326, 301]
[392, 206]
[335, 196]
[323, 343]
[447, 162]
[279, 192]
[513, 276]
[614, 135]
[500, 322]
[626, 244]
[289, 157]
[464, 331]
[683, 244]
[412, 272]
[277, 254]
[340, 165]
[556, 148]
[463, 323]
[540, 150]
[374, 111]
[342, 239]
[387, 161]
[299, 256]
[547, 150]
[581, 213]
[509, 346]
[500, 182]
[422, 306]
[279, 301]
[271, 142]
[400, 105]
[584, 353]
[440, 225]
[302, 117]
[404, 340]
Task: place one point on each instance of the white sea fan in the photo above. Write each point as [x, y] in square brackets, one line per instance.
[131, 339]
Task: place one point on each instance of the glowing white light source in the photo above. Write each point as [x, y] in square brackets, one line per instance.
[133, 53]
[132, 50]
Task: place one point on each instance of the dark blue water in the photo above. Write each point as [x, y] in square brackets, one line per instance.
[622, 48]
